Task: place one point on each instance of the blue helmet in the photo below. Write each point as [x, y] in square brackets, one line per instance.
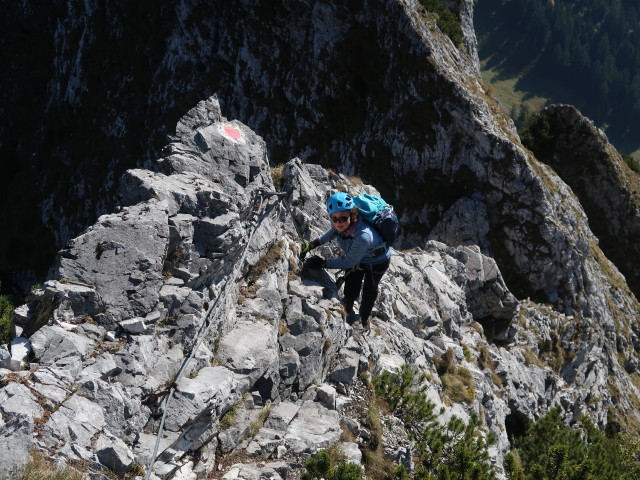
[340, 201]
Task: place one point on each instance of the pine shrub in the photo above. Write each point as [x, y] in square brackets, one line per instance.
[552, 450]
[447, 21]
[633, 163]
[323, 466]
[6, 323]
[455, 451]
[537, 136]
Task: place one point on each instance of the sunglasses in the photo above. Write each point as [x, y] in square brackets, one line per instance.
[341, 219]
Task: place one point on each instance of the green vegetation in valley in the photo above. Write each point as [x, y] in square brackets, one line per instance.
[586, 53]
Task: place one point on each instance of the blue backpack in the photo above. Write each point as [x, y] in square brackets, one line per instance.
[380, 215]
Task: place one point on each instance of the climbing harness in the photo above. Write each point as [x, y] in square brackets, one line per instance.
[342, 278]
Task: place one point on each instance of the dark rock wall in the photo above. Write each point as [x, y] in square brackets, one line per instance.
[95, 86]
[370, 88]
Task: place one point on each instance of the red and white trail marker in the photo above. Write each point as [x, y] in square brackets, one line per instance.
[231, 132]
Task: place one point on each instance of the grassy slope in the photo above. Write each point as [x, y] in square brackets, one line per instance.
[508, 91]
[505, 89]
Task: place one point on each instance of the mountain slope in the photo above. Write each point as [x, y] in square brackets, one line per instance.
[497, 263]
[579, 52]
[189, 304]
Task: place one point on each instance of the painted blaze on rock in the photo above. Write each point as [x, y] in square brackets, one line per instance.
[230, 132]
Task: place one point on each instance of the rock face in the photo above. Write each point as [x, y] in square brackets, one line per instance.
[369, 88]
[607, 188]
[355, 85]
[188, 309]
[185, 304]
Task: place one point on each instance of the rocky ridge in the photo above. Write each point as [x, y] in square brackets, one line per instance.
[607, 188]
[367, 88]
[336, 83]
[205, 247]
[371, 88]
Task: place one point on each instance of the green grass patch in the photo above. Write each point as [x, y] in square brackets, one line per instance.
[276, 176]
[517, 102]
[274, 254]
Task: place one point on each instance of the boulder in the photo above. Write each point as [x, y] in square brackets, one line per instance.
[122, 257]
[53, 344]
[133, 325]
[314, 427]
[281, 416]
[347, 367]
[20, 350]
[113, 453]
[16, 443]
[5, 357]
[78, 420]
[265, 442]
[17, 399]
[250, 349]
[213, 390]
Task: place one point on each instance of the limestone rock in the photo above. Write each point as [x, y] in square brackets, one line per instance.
[313, 428]
[281, 416]
[77, 420]
[20, 350]
[113, 453]
[16, 442]
[5, 357]
[607, 188]
[17, 399]
[249, 349]
[192, 294]
[122, 256]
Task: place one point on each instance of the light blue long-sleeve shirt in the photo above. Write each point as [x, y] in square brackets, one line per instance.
[363, 245]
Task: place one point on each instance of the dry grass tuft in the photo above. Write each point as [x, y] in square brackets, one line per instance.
[41, 468]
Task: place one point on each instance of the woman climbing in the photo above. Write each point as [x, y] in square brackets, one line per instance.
[366, 255]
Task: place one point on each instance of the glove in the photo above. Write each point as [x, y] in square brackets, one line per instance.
[315, 262]
[306, 247]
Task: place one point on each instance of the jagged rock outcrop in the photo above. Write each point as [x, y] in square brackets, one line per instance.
[190, 292]
[372, 88]
[607, 188]
[346, 84]
[250, 356]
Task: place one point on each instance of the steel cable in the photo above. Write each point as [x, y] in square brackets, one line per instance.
[209, 320]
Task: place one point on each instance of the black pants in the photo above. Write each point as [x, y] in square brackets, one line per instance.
[370, 276]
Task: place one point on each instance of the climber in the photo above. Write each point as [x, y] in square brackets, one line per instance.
[366, 258]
